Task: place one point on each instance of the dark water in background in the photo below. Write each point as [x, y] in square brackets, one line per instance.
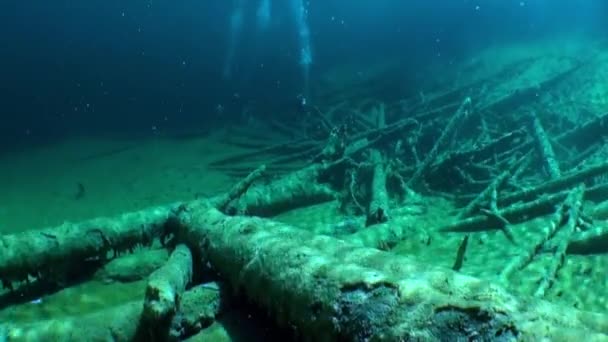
[113, 67]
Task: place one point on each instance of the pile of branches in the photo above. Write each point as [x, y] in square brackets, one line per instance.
[497, 157]
[317, 287]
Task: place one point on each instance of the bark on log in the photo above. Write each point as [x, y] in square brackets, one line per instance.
[331, 290]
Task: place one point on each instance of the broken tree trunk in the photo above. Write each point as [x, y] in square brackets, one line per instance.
[166, 285]
[332, 290]
[378, 207]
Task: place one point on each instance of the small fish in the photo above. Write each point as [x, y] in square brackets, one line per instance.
[346, 226]
[80, 191]
[211, 286]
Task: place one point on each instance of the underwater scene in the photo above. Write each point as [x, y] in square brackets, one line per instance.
[304, 170]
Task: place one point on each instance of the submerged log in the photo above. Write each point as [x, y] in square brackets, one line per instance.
[166, 285]
[300, 188]
[378, 207]
[520, 212]
[38, 252]
[331, 290]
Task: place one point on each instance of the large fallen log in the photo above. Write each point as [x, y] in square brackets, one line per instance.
[39, 253]
[331, 290]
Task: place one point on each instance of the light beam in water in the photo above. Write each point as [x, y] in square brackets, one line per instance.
[300, 14]
[236, 26]
[263, 14]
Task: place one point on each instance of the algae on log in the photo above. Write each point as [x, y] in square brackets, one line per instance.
[332, 290]
[39, 252]
[45, 252]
